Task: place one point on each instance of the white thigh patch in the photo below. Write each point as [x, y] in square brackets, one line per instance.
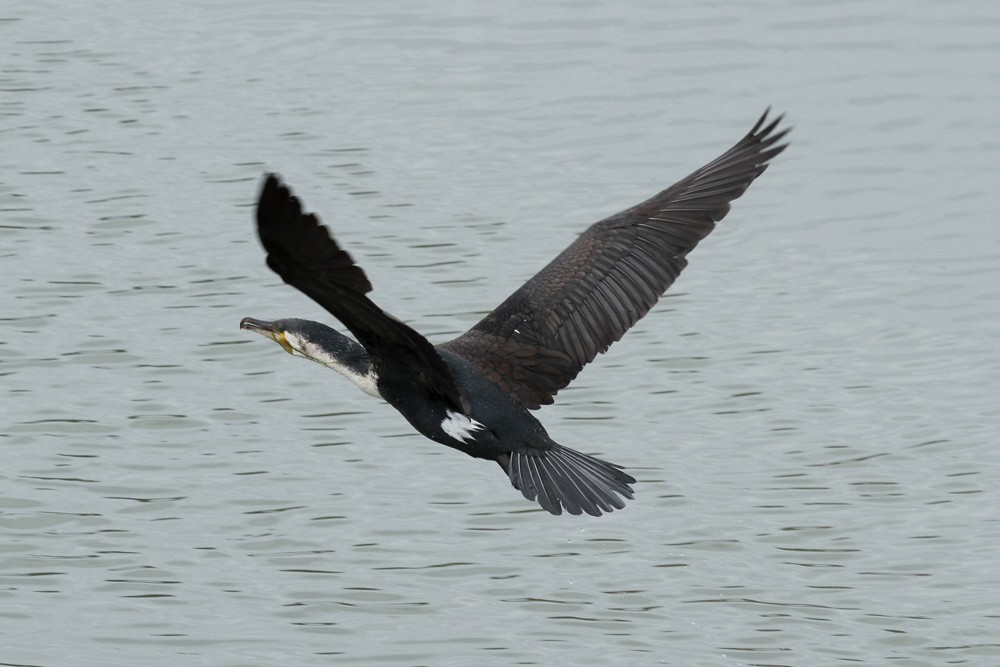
[460, 427]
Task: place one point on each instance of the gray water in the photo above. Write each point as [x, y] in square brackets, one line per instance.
[812, 412]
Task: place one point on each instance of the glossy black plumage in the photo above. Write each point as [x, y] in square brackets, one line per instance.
[302, 252]
[473, 393]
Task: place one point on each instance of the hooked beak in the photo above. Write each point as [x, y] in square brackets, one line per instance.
[268, 330]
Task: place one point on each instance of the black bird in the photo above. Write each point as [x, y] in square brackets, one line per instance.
[474, 393]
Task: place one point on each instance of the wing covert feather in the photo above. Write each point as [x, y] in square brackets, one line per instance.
[537, 341]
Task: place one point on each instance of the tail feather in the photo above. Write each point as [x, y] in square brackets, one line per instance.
[603, 495]
[561, 478]
[567, 478]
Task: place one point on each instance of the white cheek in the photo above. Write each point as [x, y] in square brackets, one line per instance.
[368, 383]
[460, 427]
[297, 344]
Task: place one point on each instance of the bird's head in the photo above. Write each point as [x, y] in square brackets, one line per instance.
[320, 343]
[278, 331]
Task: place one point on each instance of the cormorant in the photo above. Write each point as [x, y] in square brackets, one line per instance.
[474, 393]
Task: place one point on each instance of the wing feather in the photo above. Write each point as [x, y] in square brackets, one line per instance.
[609, 277]
[302, 251]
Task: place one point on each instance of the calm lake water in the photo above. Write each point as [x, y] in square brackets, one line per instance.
[812, 412]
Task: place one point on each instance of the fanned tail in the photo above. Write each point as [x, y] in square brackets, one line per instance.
[561, 478]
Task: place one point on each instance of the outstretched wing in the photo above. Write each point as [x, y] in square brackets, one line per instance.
[302, 252]
[537, 341]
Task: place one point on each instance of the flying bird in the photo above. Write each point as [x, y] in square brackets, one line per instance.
[475, 393]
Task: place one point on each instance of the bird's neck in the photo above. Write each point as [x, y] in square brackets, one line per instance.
[364, 377]
[334, 350]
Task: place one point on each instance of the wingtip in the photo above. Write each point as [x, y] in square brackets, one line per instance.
[765, 125]
[271, 184]
[765, 138]
[764, 130]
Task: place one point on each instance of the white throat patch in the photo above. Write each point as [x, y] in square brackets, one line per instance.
[460, 427]
[367, 383]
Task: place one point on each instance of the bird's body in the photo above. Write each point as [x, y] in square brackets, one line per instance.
[475, 393]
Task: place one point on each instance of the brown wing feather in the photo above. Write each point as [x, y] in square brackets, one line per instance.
[537, 341]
